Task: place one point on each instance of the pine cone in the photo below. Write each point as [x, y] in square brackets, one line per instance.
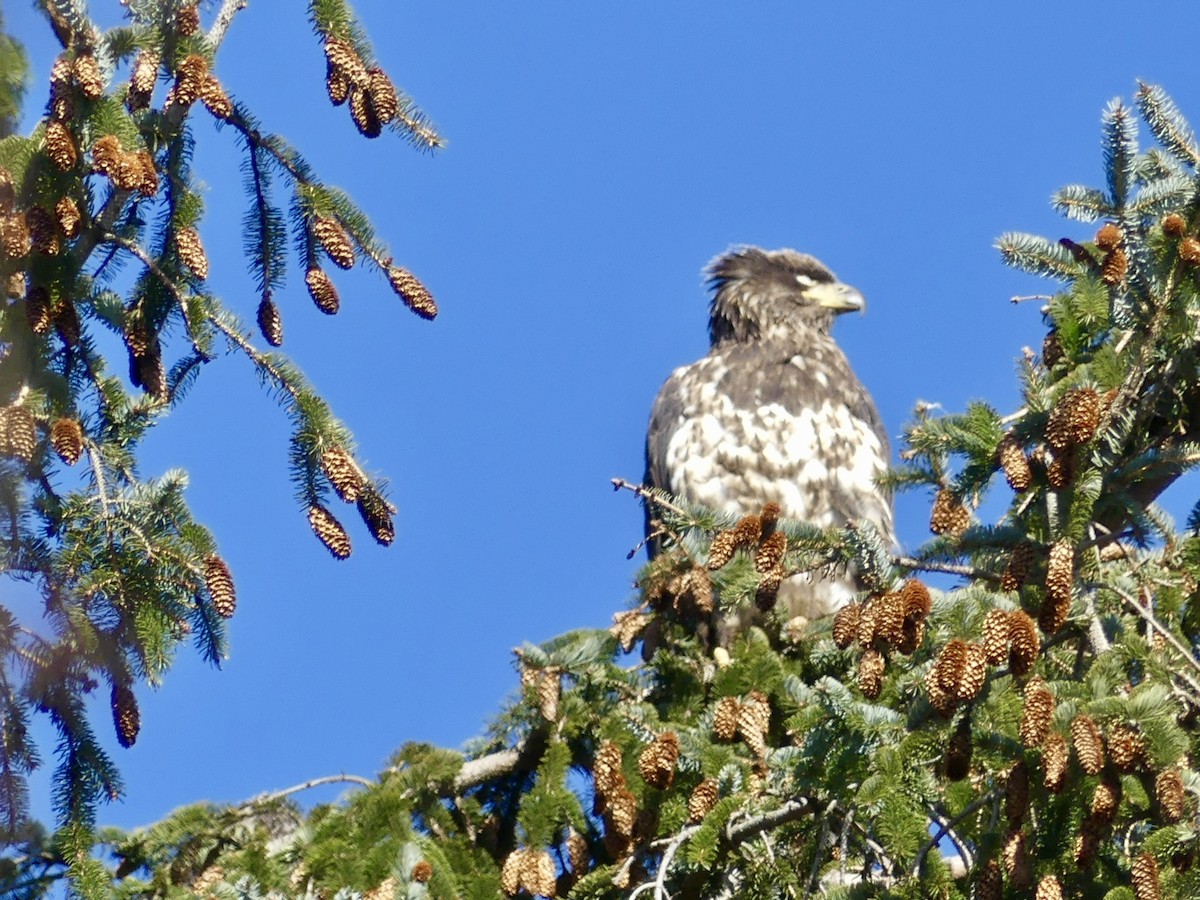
[20, 433]
[382, 95]
[510, 872]
[43, 231]
[1116, 264]
[1144, 876]
[1189, 251]
[538, 873]
[703, 799]
[69, 216]
[845, 625]
[376, 514]
[60, 146]
[973, 674]
[1016, 794]
[956, 764]
[334, 240]
[342, 56]
[214, 98]
[1109, 236]
[947, 669]
[421, 871]
[87, 76]
[1052, 351]
[409, 288]
[948, 515]
[126, 718]
[219, 582]
[1174, 225]
[696, 587]
[725, 718]
[1074, 419]
[871, 667]
[753, 722]
[1168, 791]
[147, 175]
[889, 618]
[1126, 748]
[1105, 800]
[1088, 842]
[37, 309]
[549, 692]
[151, 375]
[191, 251]
[1026, 645]
[577, 853]
[1049, 889]
[322, 291]
[995, 636]
[14, 235]
[187, 20]
[656, 764]
[606, 770]
[66, 436]
[337, 84]
[362, 112]
[622, 811]
[627, 626]
[769, 555]
[1055, 758]
[66, 322]
[1089, 744]
[143, 78]
[1020, 561]
[868, 626]
[343, 473]
[721, 551]
[1036, 713]
[1016, 860]
[329, 531]
[1060, 572]
[1012, 459]
[911, 637]
[917, 602]
[988, 883]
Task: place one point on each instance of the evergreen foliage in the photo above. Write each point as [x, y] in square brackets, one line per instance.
[125, 574]
[1027, 730]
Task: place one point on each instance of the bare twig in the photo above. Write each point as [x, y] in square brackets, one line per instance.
[272, 796]
[646, 494]
[229, 9]
[917, 565]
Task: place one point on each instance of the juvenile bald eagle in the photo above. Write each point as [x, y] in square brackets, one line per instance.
[774, 411]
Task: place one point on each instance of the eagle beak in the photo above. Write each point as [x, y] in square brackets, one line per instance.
[836, 296]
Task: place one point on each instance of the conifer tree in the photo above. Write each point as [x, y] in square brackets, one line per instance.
[104, 184]
[1010, 712]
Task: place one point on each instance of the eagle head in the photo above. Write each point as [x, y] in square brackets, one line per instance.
[774, 295]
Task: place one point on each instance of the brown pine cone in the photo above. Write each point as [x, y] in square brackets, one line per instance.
[889, 618]
[703, 799]
[917, 602]
[329, 531]
[1105, 800]
[754, 720]
[1060, 471]
[1168, 791]
[973, 674]
[725, 718]
[1016, 860]
[1049, 889]
[1126, 747]
[845, 625]
[1036, 713]
[1089, 745]
[1012, 459]
[343, 472]
[334, 240]
[37, 309]
[868, 625]
[1116, 264]
[1016, 794]
[144, 75]
[1174, 225]
[270, 323]
[1026, 645]
[538, 873]
[60, 146]
[911, 637]
[627, 626]
[421, 871]
[1074, 419]
[376, 514]
[1189, 251]
[989, 883]
[768, 557]
[415, 295]
[69, 216]
[191, 251]
[948, 668]
[948, 515]
[721, 551]
[549, 692]
[1020, 561]
[362, 112]
[43, 231]
[342, 56]
[126, 718]
[187, 20]
[577, 853]
[322, 291]
[1060, 571]
[606, 770]
[656, 764]
[337, 84]
[66, 436]
[86, 70]
[995, 637]
[14, 235]
[214, 98]
[510, 872]
[382, 95]
[1144, 876]
[956, 764]
[1055, 758]
[19, 433]
[871, 667]
[219, 581]
[622, 811]
[1052, 351]
[1109, 236]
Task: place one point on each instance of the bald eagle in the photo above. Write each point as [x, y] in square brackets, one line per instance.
[774, 413]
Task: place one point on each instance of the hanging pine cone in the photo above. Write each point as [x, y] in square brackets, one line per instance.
[627, 626]
[1105, 800]
[14, 235]
[1012, 459]
[973, 674]
[20, 433]
[948, 515]
[725, 718]
[868, 626]
[1055, 758]
[995, 637]
[219, 581]
[1016, 860]
[890, 618]
[871, 667]
[1168, 791]
[1036, 713]
[329, 531]
[911, 637]
[66, 321]
[1088, 743]
[43, 231]
[376, 514]
[415, 295]
[577, 852]
[989, 883]
[767, 591]
[214, 98]
[538, 873]
[147, 175]
[1052, 351]
[337, 84]
[151, 375]
[343, 473]
[191, 251]
[60, 146]
[1060, 471]
[1174, 225]
[956, 764]
[366, 120]
[606, 769]
[1126, 748]
[510, 872]
[1189, 251]
[1087, 843]
[1144, 876]
[1049, 889]
[126, 719]
[382, 95]
[703, 799]
[754, 720]
[769, 554]
[696, 589]
[142, 79]
[1109, 236]
[622, 811]
[916, 599]
[1116, 264]
[106, 152]
[270, 323]
[721, 551]
[549, 692]
[656, 764]
[421, 871]
[86, 70]
[334, 240]
[69, 216]
[1074, 419]
[342, 56]
[37, 309]
[1016, 794]
[947, 669]
[1060, 573]
[1025, 643]
[187, 20]
[66, 436]
[322, 291]
[1020, 561]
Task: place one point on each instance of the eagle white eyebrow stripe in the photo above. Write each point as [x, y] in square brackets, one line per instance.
[805, 280]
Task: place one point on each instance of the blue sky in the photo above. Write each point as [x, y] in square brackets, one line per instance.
[598, 156]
